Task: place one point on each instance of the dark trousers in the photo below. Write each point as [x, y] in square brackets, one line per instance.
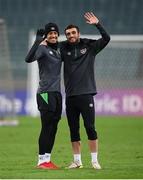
[84, 105]
[50, 107]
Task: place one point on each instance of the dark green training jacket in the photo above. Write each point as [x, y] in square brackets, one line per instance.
[49, 63]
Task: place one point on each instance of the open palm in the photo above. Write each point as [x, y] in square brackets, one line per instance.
[91, 18]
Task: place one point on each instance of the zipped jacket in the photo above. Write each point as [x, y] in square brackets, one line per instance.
[49, 64]
[79, 58]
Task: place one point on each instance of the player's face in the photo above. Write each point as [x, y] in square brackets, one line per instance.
[52, 37]
[72, 35]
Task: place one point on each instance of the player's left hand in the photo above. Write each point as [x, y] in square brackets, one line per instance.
[91, 18]
[40, 32]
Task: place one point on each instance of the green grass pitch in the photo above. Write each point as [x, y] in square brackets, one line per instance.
[120, 150]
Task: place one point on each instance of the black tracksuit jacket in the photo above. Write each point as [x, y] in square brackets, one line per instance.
[79, 61]
[79, 77]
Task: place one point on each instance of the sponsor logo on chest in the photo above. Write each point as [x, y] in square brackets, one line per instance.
[51, 52]
[82, 51]
[57, 52]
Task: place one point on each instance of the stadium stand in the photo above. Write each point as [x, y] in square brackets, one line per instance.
[21, 16]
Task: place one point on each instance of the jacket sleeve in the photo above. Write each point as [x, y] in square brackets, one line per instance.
[103, 41]
[40, 52]
[31, 54]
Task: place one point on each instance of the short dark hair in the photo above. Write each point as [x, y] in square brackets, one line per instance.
[71, 26]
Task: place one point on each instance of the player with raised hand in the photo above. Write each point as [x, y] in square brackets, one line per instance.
[49, 98]
[79, 56]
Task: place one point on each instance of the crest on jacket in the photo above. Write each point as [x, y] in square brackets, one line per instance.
[83, 51]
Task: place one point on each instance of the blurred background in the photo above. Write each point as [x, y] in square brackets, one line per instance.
[119, 68]
[119, 78]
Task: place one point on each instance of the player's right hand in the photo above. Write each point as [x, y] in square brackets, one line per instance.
[91, 18]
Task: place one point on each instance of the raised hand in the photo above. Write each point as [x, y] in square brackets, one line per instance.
[91, 18]
[40, 32]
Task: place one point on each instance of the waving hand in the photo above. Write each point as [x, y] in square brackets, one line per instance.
[91, 18]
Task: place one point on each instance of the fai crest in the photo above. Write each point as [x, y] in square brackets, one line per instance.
[83, 51]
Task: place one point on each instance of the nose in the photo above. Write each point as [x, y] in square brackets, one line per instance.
[53, 34]
[71, 35]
